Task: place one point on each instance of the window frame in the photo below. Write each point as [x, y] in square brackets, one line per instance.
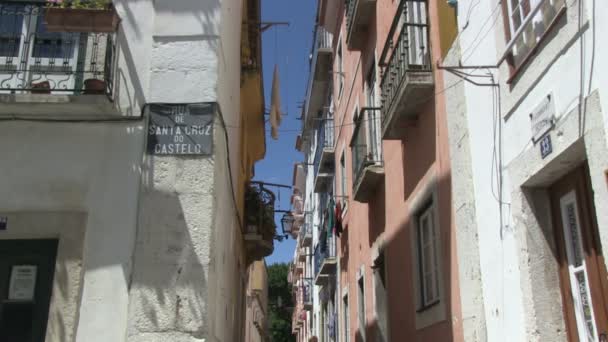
[346, 317]
[428, 213]
[517, 60]
[340, 66]
[379, 275]
[361, 317]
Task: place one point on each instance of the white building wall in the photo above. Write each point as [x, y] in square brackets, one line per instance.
[511, 270]
[150, 264]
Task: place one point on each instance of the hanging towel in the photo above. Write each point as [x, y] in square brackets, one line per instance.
[338, 227]
[275, 105]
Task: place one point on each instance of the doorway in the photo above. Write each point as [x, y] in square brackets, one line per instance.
[26, 281]
[582, 269]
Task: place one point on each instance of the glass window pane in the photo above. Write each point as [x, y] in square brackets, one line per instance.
[11, 28]
[516, 20]
[572, 227]
[53, 44]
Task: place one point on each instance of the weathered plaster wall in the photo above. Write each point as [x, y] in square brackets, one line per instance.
[69, 228]
[464, 207]
[88, 168]
[188, 279]
[518, 272]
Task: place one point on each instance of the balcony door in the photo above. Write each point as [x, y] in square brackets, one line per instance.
[582, 269]
[30, 56]
[373, 116]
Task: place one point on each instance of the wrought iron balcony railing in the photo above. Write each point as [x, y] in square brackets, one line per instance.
[406, 50]
[305, 289]
[351, 5]
[320, 74]
[366, 143]
[325, 141]
[34, 60]
[259, 220]
[323, 39]
[358, 17]
[325, 257]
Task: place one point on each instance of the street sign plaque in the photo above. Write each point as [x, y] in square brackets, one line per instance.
[181, 129]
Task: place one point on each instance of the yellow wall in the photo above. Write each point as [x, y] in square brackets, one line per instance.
[252, 126]
[448, 26]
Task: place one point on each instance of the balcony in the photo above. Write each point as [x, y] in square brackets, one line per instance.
[44, 71]
[305, 292]
[260, 228]
[407, 77]
[324, 163]
[302, 254]
[358, 16]
[325, 260]
[320, 75]
[306, 234]
[366, 146]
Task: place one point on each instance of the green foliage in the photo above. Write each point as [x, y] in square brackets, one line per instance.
[280, 316]
[81, 4]
[259, 213]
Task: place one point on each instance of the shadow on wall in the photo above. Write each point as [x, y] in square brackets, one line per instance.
[206, 15]
[377, 214]
[169, 282]
[400, 266]
[419, 148]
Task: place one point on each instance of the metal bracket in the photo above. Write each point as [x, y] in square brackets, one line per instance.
[457, 71]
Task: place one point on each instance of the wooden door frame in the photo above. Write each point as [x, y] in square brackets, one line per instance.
[579, 181]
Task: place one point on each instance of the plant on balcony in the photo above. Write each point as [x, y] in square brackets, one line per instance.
[81, 16]
[259, 210]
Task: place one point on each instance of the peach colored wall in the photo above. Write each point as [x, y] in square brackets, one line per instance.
[408, 166]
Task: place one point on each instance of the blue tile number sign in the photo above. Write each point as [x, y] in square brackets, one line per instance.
[546, 148]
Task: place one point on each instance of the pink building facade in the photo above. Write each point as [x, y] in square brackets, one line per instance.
[375, 137]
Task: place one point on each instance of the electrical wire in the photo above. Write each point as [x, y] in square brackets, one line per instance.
[229, 164]
[481, 29]
[419, 102]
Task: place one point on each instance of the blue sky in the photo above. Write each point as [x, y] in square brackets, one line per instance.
[289, 47]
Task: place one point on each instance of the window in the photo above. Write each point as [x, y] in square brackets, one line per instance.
[380, 297]
[428, 247]
[11, 26]
[340, 67]
[346, 318]
[526, 22]
[373, 115]
[361, 306]
[343, 191]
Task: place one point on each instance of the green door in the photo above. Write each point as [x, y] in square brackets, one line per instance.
[26, 282]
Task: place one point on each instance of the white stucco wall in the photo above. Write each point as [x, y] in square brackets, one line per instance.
[159, 255]
[88, 168]
[514, 305]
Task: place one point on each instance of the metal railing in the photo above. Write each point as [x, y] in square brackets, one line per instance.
[260, 210]
[324, 250]
[323, 39]
[406, 50]
[366, 143]
[35, 60]
[325, 140]
[305, 231]
[351, 5]
[305, 289]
